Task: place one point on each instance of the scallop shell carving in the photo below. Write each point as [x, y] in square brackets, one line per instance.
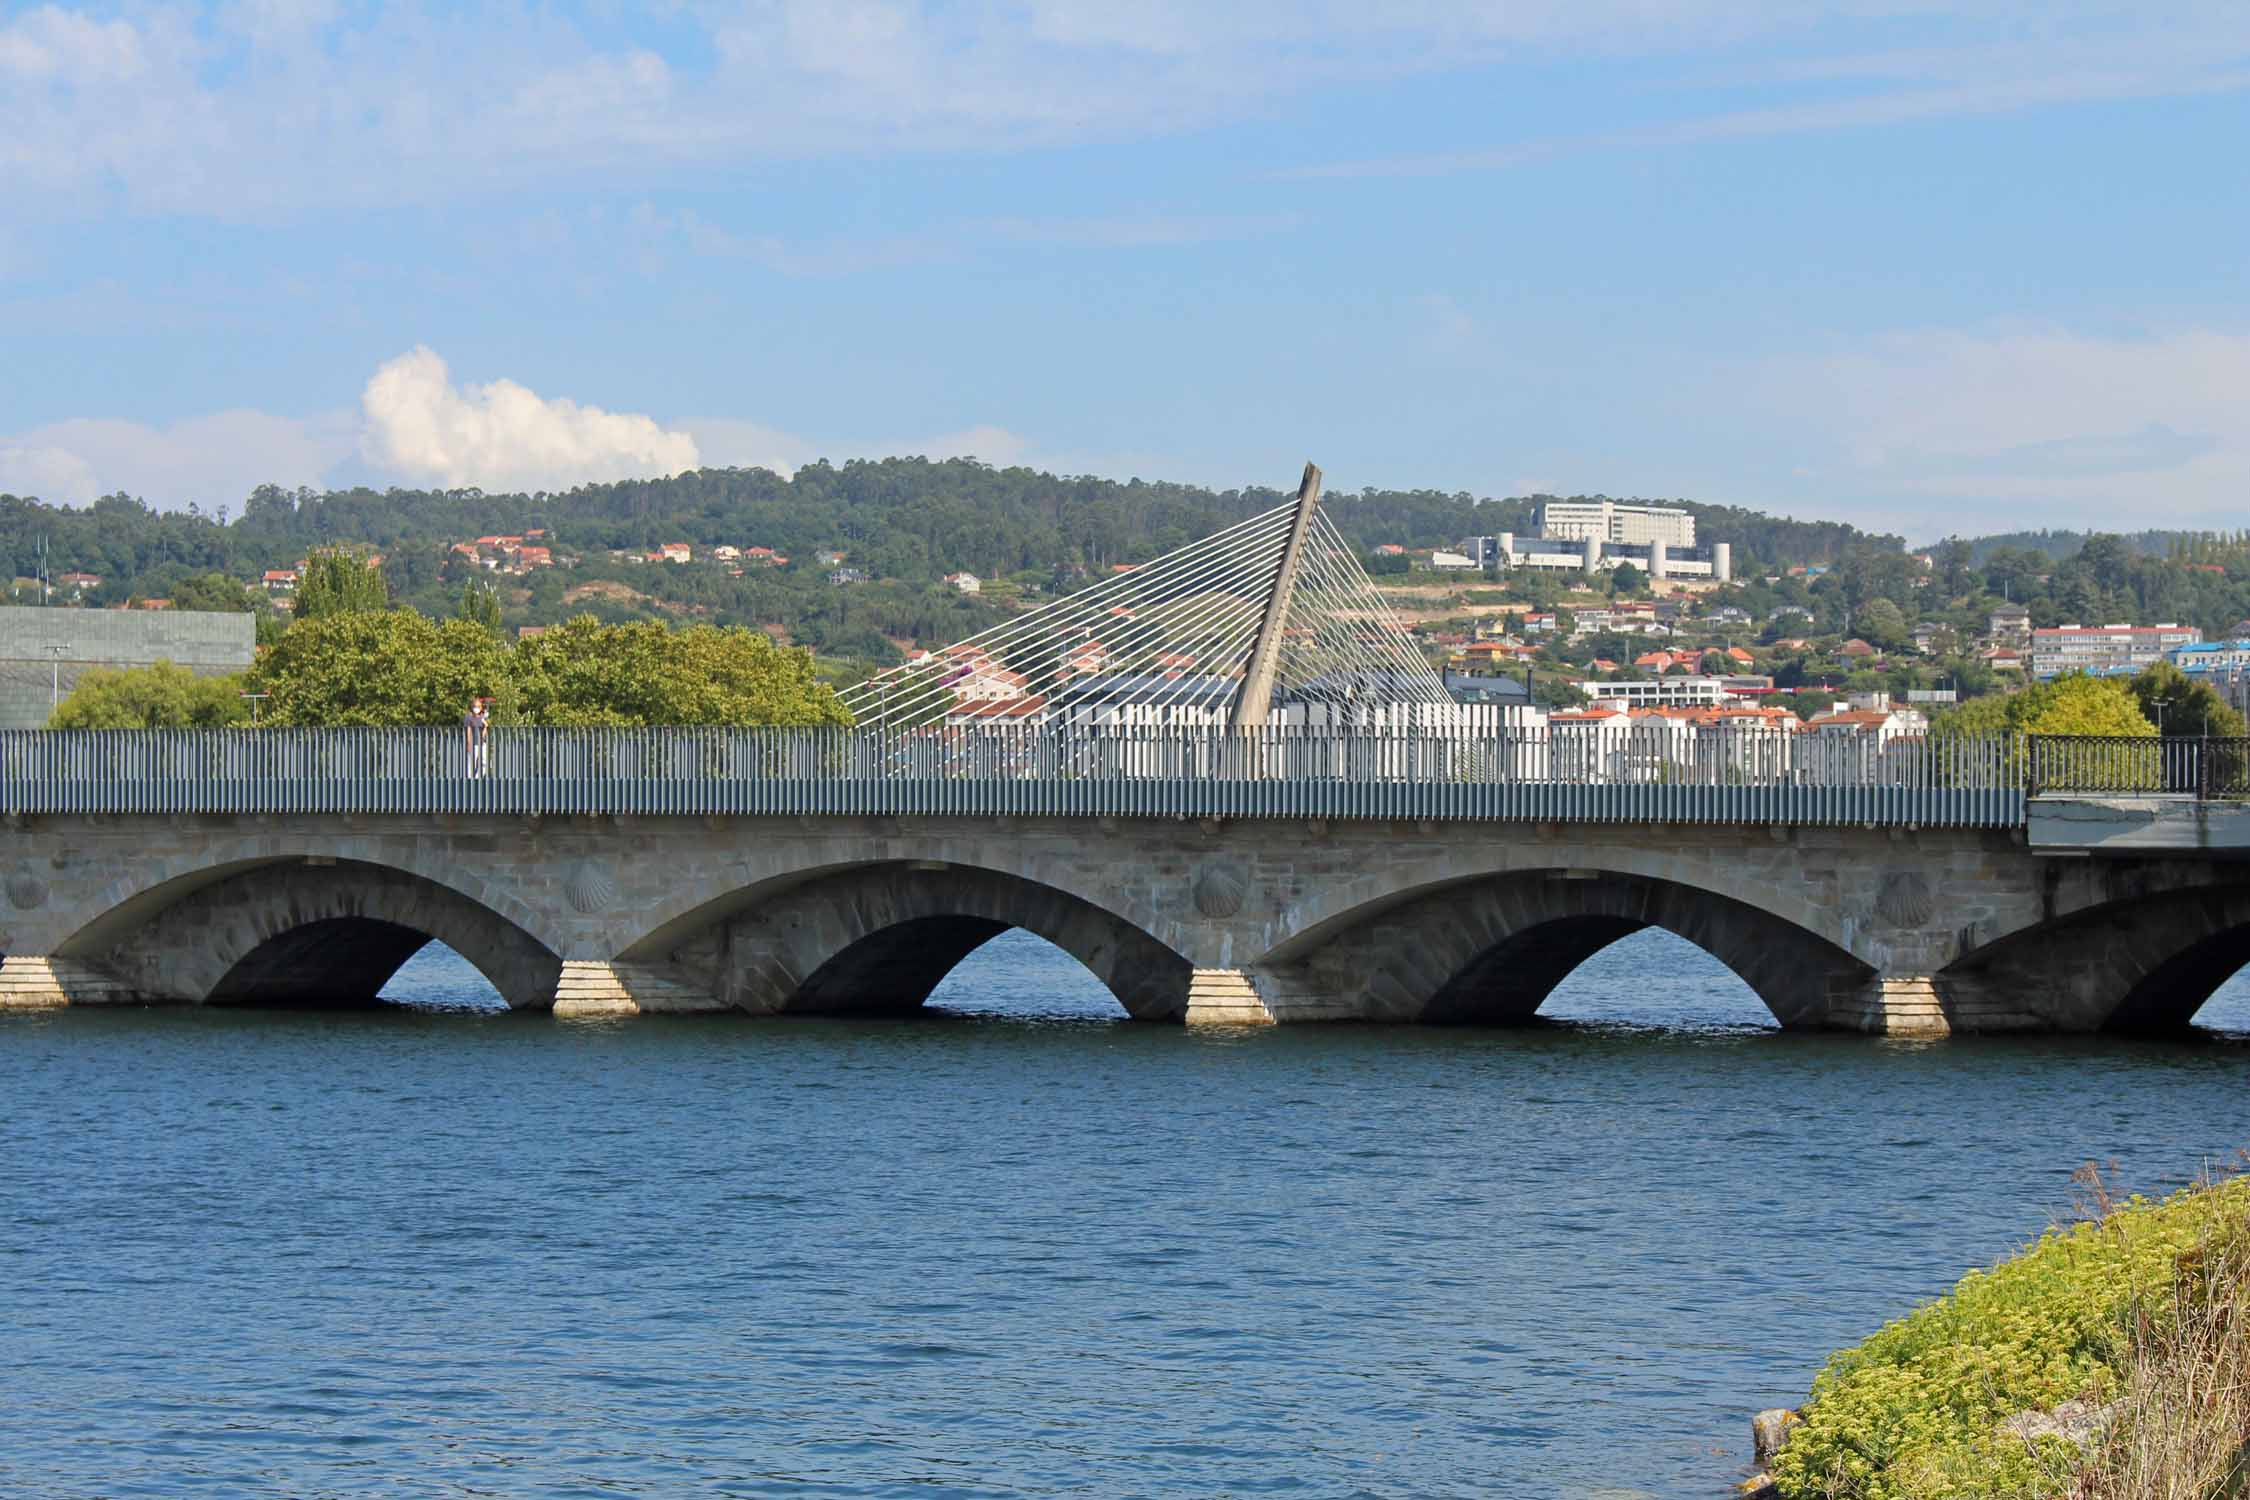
[590, 888]
[1905, 899]
[26, 891]
[1219, 890]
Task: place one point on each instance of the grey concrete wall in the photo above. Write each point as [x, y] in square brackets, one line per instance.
[207, 644]
[1284, 920]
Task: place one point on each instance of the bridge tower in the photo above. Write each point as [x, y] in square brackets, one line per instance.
[1254, 701]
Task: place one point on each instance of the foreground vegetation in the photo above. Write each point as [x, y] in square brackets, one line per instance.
[2126, 1331]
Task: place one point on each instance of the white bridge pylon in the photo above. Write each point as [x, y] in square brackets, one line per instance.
[1278, 603]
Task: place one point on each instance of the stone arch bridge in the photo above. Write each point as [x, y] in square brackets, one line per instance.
[1874, 916]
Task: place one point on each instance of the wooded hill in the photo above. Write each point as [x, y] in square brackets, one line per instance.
[904, 522]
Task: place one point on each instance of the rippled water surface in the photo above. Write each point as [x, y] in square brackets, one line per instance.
[1018, 1248]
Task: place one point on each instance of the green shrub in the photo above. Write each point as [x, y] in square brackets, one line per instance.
[1914, 1412]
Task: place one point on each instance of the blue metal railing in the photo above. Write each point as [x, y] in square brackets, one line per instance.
[1645, 773]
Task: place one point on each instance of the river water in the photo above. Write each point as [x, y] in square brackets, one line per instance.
[1019, 1248]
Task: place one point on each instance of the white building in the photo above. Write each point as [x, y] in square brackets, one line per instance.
[2225, 665]
[2212, 656]
[1662, 692]
[1590, 555]
[2105, 649]
[967, 583]
[1613, 521]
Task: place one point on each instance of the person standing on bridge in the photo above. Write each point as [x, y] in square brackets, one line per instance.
[476, 736]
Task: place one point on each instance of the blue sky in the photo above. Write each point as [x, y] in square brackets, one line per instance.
[1924, 267]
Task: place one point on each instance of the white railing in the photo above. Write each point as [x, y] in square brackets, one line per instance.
[1592, 772]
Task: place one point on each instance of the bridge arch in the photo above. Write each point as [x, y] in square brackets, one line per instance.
[1764, 873]
[1490, 949]
[878, 938]
[285, 932]
[2146, 962]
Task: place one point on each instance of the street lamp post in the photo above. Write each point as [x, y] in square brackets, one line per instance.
[54, 686]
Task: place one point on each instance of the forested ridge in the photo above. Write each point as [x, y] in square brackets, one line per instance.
[903, 518]
[904, 523]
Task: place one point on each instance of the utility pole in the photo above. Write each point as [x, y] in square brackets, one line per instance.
[1253, 703]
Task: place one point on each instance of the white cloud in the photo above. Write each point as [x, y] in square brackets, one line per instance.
[2031, 427]
[2086, 55]
[47, 472]
[502, 436]
[266, 108]
[211, 460]
[417, 427]
[730, 443]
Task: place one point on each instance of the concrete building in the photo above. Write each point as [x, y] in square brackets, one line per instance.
[2225, 665]
[1614, 521]
[1589, 555]
[2105, 649]
[1675, 691]
[43, 652]
[2010, 626]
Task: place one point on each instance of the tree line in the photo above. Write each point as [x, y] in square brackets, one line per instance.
[350, 659]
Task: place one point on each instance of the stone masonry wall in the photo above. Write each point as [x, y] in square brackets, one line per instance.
[1273, 916]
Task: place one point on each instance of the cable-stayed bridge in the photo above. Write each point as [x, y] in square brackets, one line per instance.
[1269, 621]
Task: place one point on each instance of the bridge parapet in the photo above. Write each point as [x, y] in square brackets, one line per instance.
[1576, 774]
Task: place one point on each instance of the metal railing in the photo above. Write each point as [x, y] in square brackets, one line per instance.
[1644, 772]
[2115, 765]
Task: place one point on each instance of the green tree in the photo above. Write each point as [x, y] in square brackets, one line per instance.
[1535, 588]
[1979, 718]
[159, 696]
[2190, 707]
[586, 673]
[2072, 704]
[1627, 579]
[1881, 623]
[393, 668]
[336, 582]
[2078, 704]
[480, 605]
[214, 593]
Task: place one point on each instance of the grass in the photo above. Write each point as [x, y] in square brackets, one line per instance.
[2132, 1311]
